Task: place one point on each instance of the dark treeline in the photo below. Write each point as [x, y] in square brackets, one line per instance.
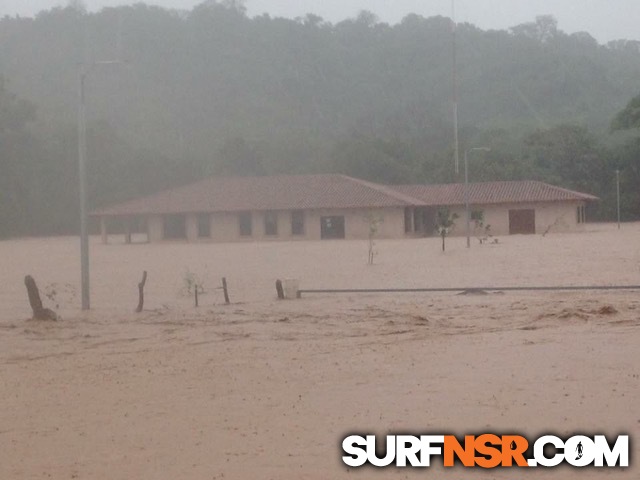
[212, 91]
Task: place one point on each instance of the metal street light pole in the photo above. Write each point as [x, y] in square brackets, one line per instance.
[454, 93]
[82, 176]
[83, 71]
[618, 196]
[466, 189]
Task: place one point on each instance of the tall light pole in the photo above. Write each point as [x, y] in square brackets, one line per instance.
[618, 196]
[82, 178]
[454, 93]
[83, 71]
[466, 189]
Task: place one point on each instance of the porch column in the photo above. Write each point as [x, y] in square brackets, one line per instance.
[408, 220]
[103, 230]
[127, 230]
[155, 228]
[192, 227]
[418, 224]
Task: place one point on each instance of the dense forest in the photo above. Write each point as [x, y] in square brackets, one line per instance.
[213, 91]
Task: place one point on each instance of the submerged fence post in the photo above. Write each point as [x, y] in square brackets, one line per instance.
[39, 312]
[141, 292]
[226, 292]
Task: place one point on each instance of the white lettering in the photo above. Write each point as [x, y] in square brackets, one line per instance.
[620, 451]
[538, 451]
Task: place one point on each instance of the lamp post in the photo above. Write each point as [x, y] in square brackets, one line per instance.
[618, 196]
[454, 92]
[83, 71]
[82, 178]
[466, 189]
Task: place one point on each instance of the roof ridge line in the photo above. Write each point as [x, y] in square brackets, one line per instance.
[458, 183]
[568, 190]
[385, 189]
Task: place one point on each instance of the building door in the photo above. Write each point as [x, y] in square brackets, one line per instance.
[420, 220]
[428, 221]
[522, 221]
[204, 225]
[175, 227]
[331, 227]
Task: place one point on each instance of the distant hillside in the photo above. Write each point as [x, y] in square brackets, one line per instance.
[194, 78]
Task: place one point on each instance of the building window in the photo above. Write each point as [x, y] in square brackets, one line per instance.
[477, 216]
[297, 222]
[408, 220]
[204, 225]
[580, 214]
[175, 227]
[270, 223]
[244, 219]
[331, 227]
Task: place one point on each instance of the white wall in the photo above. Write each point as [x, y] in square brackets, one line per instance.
[555, 216]
[225, 226]
[155, 229]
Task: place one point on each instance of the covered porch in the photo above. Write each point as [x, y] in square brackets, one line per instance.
[420, 221]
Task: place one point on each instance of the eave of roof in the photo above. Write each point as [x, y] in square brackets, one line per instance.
[487, 193]
[279, 192]
[330, 191]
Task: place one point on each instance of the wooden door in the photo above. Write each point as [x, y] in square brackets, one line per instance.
[522, 221]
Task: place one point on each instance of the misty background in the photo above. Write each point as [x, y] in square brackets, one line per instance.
[219, 89]
[603, 19]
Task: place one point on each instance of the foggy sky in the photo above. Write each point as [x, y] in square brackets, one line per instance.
[604, 19]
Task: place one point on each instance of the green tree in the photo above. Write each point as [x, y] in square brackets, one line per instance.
[626, 159]
[445, 223]
[629, 117]
[372, 159]
[18, 159]
[239, 157]
[566, 155]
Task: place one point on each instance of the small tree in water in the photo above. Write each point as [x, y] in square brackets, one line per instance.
[374, 222]
[445, 222]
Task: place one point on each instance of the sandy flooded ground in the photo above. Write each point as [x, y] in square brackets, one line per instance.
[268, 389]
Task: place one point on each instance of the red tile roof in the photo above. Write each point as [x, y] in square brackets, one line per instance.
[287, 192]
[280, 192]
[492, 193]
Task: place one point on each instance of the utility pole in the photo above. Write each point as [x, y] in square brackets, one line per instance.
[82, 176]
[454, 56]
[83, 71]
[618, 196]
[466, 190]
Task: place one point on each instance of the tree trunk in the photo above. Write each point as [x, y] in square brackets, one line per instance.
[225, 291]
[141, 292]
[39, 312]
